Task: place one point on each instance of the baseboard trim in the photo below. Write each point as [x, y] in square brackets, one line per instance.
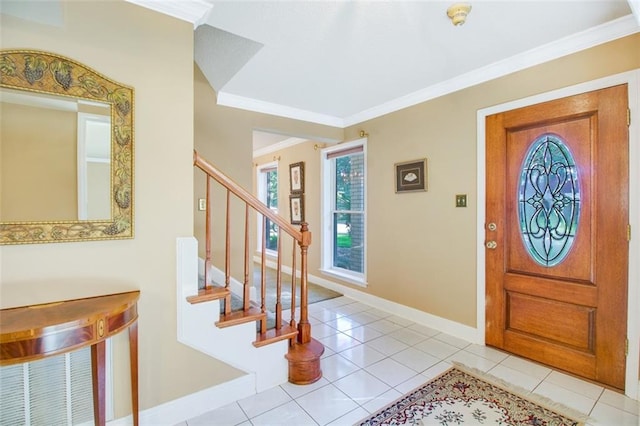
[187, 407]
[443, 325]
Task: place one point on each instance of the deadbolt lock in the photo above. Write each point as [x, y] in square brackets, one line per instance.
[492, 226]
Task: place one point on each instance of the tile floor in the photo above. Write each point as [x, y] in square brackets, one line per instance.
[372, 358]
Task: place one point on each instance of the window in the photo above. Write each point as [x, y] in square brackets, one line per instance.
[344, 189]
[548, 200]
[268, 194]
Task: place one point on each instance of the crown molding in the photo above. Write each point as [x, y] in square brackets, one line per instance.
[194, 11]
[580, 41]
[241, 102]
[287, 143]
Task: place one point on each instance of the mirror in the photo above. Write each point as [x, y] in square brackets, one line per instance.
[66, 151]
[56, 158]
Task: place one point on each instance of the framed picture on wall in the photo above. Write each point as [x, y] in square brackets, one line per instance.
[296, 208]
[296, 177]
[411, 176]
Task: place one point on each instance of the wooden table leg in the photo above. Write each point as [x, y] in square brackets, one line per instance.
[98, 379]
[133, 361]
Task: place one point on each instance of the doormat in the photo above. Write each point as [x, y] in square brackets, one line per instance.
[466, 396]
[315, 293]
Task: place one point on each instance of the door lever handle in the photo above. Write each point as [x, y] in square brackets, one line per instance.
[491, 245]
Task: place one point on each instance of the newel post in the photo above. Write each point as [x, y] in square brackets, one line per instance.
[304, 328]
[304, 354]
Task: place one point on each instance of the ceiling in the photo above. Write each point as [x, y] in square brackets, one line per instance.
[342, 62]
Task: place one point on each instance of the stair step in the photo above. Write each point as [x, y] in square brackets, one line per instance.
[304, 362]
[273, 335]
[209, 293]
[240, 317]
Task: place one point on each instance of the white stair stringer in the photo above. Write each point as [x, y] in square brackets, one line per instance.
[232, 345]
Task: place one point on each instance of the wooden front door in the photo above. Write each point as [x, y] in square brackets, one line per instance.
[557, 233]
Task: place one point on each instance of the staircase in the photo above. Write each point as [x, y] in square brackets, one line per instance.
[243, 337]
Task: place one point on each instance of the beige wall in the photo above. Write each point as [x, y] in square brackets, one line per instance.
[421, 248]
[38, 162]
[153, 53]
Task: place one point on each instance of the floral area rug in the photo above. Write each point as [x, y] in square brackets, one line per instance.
[463, 396]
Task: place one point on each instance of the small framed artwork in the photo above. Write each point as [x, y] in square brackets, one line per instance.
[296, 177]
[411, 176]
[296, 208]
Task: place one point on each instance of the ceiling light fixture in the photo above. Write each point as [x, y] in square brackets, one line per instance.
[458, 13]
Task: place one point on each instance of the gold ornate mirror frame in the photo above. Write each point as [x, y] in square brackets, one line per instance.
[43, 72]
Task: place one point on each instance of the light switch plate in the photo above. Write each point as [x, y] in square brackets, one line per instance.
[202, 204]
[461, 200]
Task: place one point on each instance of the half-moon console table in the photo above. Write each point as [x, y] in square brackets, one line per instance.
[29, 333]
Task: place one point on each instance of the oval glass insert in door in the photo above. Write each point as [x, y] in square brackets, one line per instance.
[548, 200]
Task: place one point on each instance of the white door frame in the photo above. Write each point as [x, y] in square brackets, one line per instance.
[632, 78]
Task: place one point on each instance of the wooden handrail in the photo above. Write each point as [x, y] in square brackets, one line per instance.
[249, 198]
